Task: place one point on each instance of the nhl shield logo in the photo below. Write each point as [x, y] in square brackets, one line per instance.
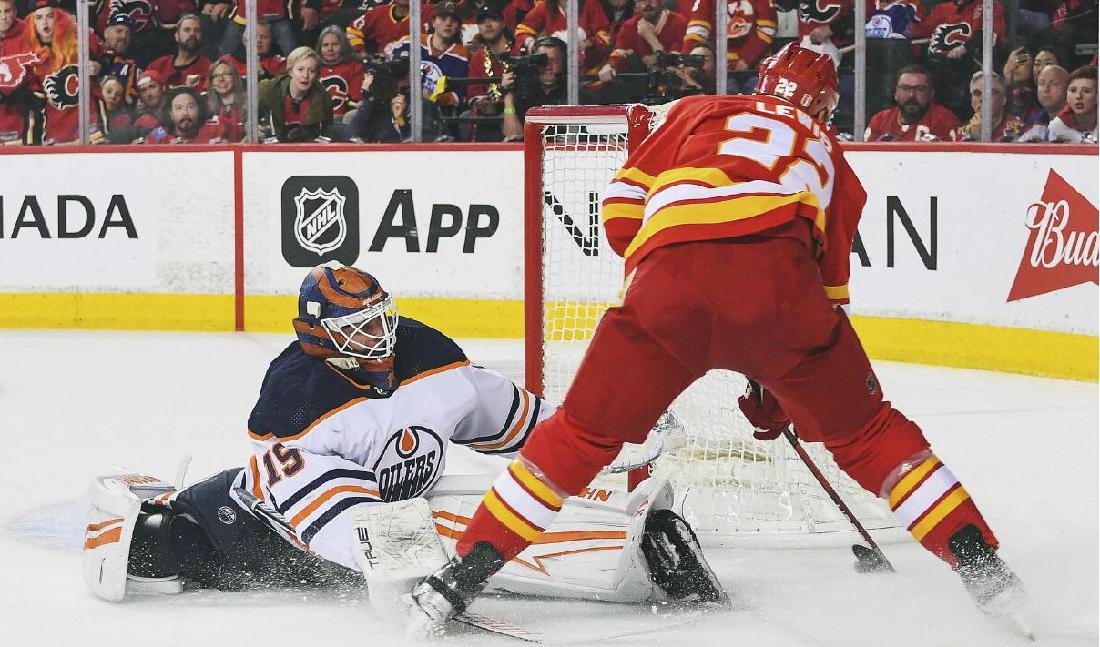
[320, 220]
[320, 225]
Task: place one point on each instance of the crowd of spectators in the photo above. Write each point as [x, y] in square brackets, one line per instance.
[171, 71]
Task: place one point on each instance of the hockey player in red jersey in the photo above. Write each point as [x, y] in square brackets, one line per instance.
[736, 219]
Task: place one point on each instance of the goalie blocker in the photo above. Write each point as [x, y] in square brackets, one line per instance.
[145, 537]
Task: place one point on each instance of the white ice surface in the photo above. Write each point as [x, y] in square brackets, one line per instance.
[75, 403]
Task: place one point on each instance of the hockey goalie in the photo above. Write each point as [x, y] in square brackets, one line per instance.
[349, 442]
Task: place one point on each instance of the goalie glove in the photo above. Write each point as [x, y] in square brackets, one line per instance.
[763, 411]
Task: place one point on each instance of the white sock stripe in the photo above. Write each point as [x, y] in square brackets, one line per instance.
[934, 487]
[521, 501]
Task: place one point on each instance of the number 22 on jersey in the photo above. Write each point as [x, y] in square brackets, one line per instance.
[802, 160]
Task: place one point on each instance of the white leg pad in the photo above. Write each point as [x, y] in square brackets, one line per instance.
[591, 551]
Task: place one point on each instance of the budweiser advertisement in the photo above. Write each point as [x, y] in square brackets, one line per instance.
[1006, 240]
[1062, 249]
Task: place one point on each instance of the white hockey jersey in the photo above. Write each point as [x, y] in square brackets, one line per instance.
[323, 444]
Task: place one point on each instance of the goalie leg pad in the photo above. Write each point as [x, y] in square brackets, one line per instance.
[676, 561]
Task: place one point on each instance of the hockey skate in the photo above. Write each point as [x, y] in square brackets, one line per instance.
[996, 590]
[676, 562]
[449, 591]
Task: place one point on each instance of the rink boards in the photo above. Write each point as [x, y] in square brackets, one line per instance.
[972, 256]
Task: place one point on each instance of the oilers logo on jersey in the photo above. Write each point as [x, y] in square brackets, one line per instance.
[411, 462]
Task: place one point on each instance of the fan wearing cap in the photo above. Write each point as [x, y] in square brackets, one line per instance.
[442, 54]
[486, 51]
[116, 60]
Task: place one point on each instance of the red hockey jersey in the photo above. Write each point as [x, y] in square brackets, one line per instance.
[671, 28]
[938, 122]
[592, 24]
[344, 83]
[175, 77]
[949, 25]
[726, 167]
[751, 28]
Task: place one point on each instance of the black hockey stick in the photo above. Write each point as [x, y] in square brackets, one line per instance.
[868, 560]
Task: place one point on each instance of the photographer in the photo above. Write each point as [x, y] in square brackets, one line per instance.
[535, 80]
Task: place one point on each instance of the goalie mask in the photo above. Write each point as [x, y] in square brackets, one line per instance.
[347, 319]
[803, 77]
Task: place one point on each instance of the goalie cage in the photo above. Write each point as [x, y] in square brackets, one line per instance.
[729, 486]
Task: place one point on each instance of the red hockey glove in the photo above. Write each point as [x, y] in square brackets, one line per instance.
[764, 412]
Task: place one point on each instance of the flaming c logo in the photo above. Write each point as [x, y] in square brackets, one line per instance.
[1063, 249]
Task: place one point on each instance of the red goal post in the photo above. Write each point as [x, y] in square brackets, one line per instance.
[729, 485]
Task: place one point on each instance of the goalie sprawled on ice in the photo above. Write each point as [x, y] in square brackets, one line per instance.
[349, 435]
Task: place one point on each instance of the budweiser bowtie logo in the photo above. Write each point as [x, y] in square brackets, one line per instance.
[1062, 250]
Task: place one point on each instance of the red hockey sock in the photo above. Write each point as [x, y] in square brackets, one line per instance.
[932, 504]
[890, 457]
[521, 504]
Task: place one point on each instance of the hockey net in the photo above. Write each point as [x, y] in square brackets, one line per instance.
[729, 485]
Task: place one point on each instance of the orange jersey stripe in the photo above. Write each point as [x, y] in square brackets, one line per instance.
[109, 537]
[434, 371]
[320, 501]
[515, 428]
[103, 524]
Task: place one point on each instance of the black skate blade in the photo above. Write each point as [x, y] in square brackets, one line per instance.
[870, 561]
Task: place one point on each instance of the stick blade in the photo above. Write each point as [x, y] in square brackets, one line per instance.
[869, 560]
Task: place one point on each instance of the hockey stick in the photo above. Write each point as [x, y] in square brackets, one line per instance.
[868, 560]
[274, 520]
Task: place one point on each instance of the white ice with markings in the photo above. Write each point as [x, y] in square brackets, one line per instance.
[74, 403]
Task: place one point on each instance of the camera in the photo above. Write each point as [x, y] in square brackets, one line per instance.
[380, 66]
[665, 83]
[526, 70]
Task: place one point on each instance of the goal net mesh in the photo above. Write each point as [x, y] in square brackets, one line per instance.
[729, 485]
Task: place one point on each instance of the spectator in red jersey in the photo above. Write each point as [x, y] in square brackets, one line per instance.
[15, 61]
[271, 62]
[750, 31]
[651, 31]
[1051, 92]
[54, 40]
[146, 115]
[1006, 127]
[118, 114]
[548, 17]
[277, 13]
[115, 60]
[487, 49]
[916, 117]
[151, 90]
[381, 29]
[341, 75]
[1076, 123]
[226, 99]
[954, 51]
[187, 68]
[187, 121]
[293, 105]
